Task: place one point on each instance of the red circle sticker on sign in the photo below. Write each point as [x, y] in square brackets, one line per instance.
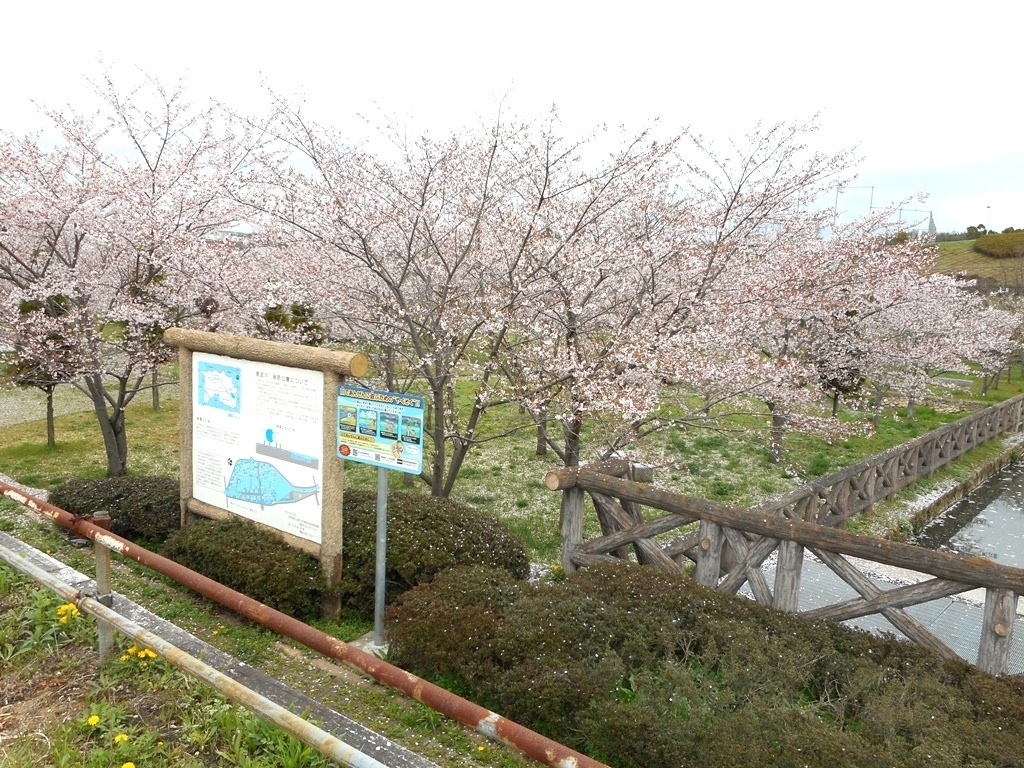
[344, 450]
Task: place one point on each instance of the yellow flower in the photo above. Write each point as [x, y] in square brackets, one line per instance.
[133, 649]
[120, 737]
[93, 720]
[128, 765]
[481, 748]
[124, 657]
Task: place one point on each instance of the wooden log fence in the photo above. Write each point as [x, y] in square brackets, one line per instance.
[832, 499]
[730, 546]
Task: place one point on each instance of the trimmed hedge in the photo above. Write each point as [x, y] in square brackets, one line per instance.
[1005, 246]
[642, 668]
[141, 508]
[426, 535]
[251, 560]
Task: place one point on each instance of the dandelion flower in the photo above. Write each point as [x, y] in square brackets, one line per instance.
[93, 720]
[120, 737]
[128, 765]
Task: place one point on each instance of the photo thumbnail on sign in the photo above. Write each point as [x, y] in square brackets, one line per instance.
[384, 429]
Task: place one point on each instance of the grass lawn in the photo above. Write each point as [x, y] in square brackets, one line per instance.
[727, 462]
[958, 257]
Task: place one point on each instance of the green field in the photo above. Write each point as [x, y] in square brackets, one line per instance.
[959, 257]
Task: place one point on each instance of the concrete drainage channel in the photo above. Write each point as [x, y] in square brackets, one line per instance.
[340, 738]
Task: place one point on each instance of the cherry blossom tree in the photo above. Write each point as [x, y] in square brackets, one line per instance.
[602, 289]
[991, 336]
[44, 338]
[409, 256]
[654, 301]
[116, 218]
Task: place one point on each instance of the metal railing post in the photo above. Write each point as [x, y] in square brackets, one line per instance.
[104, 590]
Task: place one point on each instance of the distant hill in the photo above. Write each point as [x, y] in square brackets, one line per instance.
[959, 257]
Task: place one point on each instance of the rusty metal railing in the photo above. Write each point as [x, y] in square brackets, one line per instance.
[318, 739]
[482, 720]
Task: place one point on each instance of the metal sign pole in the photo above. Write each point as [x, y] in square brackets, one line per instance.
[382, 545]
[384, 430]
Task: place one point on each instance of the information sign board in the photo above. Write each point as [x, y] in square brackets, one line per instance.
[384, 429]
[258, 441]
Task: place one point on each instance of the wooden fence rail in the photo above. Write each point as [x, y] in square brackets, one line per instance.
[730, 546]
[831, 499]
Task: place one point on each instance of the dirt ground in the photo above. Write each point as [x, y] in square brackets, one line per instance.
[30, 702]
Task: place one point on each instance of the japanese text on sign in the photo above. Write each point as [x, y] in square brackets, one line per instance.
[384, 429]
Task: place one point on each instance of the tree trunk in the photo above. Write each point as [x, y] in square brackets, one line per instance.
[571, 430]
[877, 408]
[835, 404]
[51, 432]
[775, 439]
[156, 389]
[911, 410]
[542, 434]
[115, 441]
[437, 434]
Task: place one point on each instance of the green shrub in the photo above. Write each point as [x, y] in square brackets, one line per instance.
[474, 599]
[251, 560]
[426, 535]
[639, 667]
[140, 508]
[1002, 246]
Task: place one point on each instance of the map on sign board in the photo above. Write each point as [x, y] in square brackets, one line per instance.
[384, 429]
[258, 442]
[218, 386]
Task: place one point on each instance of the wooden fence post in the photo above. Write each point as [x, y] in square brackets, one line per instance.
[709, 553]
[571, 519]
[787, 576]
[997, 630]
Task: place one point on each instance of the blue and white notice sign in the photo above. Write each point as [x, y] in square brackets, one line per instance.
[384, 429]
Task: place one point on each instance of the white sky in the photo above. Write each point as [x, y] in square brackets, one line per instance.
[927, 91]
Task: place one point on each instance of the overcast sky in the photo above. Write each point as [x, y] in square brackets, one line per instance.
[927, 92]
